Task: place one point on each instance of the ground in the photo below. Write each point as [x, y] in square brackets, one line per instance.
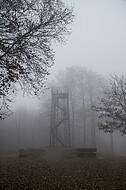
[35, 173]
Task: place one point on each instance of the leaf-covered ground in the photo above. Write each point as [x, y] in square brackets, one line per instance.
[65, 174]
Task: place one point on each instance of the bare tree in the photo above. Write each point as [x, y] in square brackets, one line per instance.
[112, 106]
[84, 87]
[27, 30]
[91, 91]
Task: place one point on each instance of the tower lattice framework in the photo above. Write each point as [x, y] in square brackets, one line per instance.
[60, 121]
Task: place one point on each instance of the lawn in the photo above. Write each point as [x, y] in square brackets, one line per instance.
[108, 173]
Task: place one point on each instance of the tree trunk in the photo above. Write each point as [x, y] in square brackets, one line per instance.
[93, 139]
[84, 122]
[84, 116]
[111, 143]
[73, 127]
[91, 94]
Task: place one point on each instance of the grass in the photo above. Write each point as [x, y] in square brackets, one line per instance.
[64, 174]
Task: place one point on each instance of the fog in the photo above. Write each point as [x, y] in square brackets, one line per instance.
[98, 39]
[97, 43]
[30, 124]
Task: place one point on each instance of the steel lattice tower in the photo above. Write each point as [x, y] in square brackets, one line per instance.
[60, 122]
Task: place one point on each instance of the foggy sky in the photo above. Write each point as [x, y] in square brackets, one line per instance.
[98, 40]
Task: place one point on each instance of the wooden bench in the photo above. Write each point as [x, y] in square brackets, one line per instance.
[22, 153]
[30, 152]
[86, 152]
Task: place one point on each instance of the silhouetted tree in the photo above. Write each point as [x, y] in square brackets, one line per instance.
[83, 86]
[27, 30]
[112, 106]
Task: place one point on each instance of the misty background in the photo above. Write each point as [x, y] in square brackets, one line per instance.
[97, 43]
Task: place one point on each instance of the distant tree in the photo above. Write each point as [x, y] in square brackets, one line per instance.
[27, 30]
[112, 106]
[83, 86]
